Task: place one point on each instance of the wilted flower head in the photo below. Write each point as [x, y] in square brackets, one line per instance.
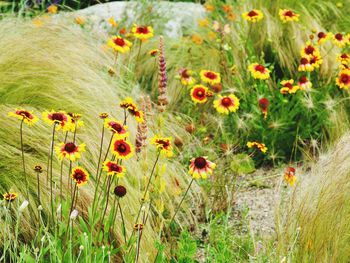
[38, 169]
[304, 83]
[186, 77]
[120, 191]
[263, 106]
[24, 115]
[201, 167]
[103, 115]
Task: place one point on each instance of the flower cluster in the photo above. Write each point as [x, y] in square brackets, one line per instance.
[257, 145]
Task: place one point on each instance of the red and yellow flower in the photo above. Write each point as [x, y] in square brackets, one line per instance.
[287, 15]
[59, 118]
[142, 32]
[117, 128]
[289, 176]
[201, 167]
[253, 15]
[263, 106]
[119, 44]
[343, 58]
[122, 149]
[112, 22]
[24, 115]
[288, 87]
[304, 83]
[80, 176]
[10, 196]
[163, 144]
[70, 150]
[113, 168]
[316, 61]
[75, 122]
[340, 40]
[309, 50]
[259, 71]
[323, 37]
[226, 104]
[127, 103]
[153, 52]
[186, 77]
[210, 77]
[257, 145]
[199, 93]
[305, 65]
[343, 79]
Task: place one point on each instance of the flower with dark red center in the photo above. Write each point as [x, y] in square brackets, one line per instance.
[120, 191]
[75, 122]
[259, 71]
[186, 77]
[201, 167]
[80, 176]
[343, 79]
[343, 58]
[59, 118]
[304, 83]
[10, 196]
[210, 77]
[253, 15]
[119, 44]
[263, 106]
[122, 149]
[103, 115]
[257, 145]
[309, 51]
[323, 37]
[117, 128]
[163, 144]
[153, 52]
[289, 176]
[288, 15]
[288, 87]
[142, 32]
[339, 40]
[226, 104]
[70, 150]
[305, 65]
[113, 168]
[138, 227]
[199, 94]
[24, 115]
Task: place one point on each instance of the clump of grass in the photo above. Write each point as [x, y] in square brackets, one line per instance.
[312, 224]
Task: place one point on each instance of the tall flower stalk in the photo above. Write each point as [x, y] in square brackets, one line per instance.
[162, 77]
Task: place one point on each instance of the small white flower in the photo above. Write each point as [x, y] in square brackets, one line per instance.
[74, 214]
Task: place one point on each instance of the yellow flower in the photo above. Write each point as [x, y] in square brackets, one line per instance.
[210, 77]
[10, 196]
[119, 130]
[197, 39]
[201, 167]
[163, 144]
[122, 149]
[339, 40]
[226, 104]
[80, 176]
[153, 52]
[289, 176]
[113, 168]
[199, 93]
[288, 87]
[288, 15]
[70, 151]
[323, 37]
[112, 22]
[203, 22]
[259, 71]
[253, 16]
[60, 118]
[211, 35]
[343, 58]
[142, 32]
[119, 44]
[209, 7]
[27, 116]
[257, 145]
[52, 9]
[343, 79]
[186, 77]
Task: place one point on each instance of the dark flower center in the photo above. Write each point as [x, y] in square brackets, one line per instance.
[120, 191]
[184, 74]
[289, 13]
[303, 79]
[200, 162]
[210, 75]
[263, 103]
[344, 56]
[288, 85]
[260, 68]
[165, 144]
[69, 147]
[119, 41]
[121, 148]
[142, 30]
[117, 127]
[252, 13]
[345, 79]
[200, 93]
[226, 102]
[303, 61]
[309, 50]
[25, 114]
[57, 116]
[114, 167]
[79, 175]
[321, 35]
[338, 36]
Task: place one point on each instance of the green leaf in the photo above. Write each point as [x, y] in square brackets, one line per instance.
[242, 164]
